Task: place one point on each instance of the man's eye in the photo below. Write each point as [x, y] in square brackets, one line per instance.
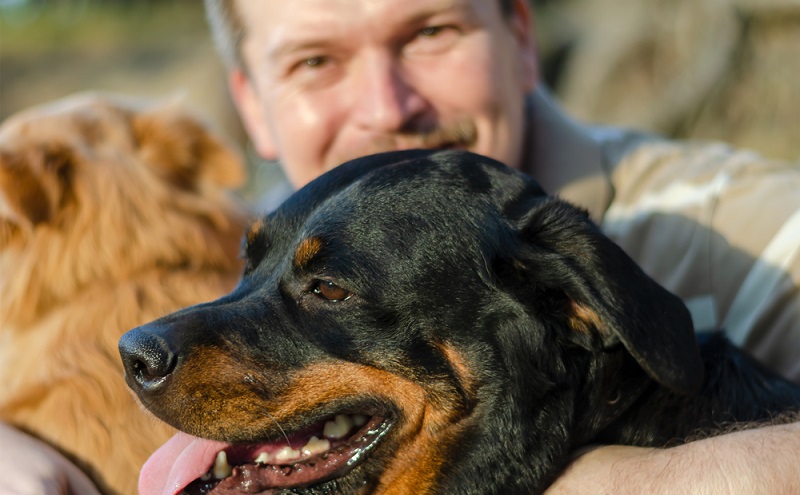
[432, 40]
[305, 64]
[330, 291]
[431, 31]
[314, 62]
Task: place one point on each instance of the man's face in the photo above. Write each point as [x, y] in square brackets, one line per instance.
[331, 80]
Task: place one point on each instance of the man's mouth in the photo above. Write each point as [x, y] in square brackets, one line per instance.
[321, 452]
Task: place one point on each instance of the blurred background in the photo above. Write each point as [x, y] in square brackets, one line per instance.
[701, 69]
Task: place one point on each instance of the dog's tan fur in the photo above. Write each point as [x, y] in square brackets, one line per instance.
[111, 215]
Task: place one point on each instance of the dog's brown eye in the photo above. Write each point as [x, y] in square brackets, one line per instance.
[330, 291]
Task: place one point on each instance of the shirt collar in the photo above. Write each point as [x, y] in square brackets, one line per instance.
[564, 156]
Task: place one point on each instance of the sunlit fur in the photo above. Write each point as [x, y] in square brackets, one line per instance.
[112, 213]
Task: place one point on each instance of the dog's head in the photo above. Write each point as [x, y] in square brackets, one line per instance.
[410, 323]
[93, 187]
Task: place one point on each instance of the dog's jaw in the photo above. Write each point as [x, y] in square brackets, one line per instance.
[191, 465]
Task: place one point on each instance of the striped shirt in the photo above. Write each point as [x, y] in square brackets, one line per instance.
[721, 229]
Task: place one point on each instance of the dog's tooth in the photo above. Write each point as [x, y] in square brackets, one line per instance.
[359, 419]
[287, 454]
[263, 458]
[315, 446]
[221, 467]
[339, 427]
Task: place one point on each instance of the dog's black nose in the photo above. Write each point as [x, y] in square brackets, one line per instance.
[148, 359]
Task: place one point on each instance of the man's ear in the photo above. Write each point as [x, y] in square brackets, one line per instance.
[184, 148]
[522, 28]
[251, 111]
[602, 293]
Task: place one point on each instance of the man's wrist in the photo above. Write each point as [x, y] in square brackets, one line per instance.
[746, 462]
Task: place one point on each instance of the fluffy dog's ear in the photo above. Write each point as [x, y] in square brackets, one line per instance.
[33, 185]
[604, 296]
[185, 149]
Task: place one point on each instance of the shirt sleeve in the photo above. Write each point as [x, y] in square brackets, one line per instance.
[721, 229]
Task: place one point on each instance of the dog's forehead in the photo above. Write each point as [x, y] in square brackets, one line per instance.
[413, 174]
[409, 201]
[438, 184]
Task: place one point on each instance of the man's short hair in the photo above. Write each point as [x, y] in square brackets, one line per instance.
[227, 29]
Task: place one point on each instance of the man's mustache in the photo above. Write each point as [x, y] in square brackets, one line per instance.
[462, 134]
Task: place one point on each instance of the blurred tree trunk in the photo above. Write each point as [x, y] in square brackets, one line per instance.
[699, 69]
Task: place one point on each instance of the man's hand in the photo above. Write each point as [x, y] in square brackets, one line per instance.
[31, 467]
[756, 461]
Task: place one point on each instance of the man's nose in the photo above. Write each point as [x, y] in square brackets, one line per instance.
[386, 100]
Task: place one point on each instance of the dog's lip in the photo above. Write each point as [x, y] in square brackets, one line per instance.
[184, 459]
[175, 464]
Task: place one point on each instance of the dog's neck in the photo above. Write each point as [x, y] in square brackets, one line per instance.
[650, 414]
[618, 385]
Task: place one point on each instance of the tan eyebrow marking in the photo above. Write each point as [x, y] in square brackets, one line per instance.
[306, 250]
[255, 230]
[582, 319]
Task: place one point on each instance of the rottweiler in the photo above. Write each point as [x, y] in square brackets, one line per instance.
[429, 323]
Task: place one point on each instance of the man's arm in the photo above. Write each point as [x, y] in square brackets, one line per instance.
[32, 467]
[762, 460]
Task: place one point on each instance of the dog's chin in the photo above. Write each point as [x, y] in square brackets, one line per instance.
[334, 455]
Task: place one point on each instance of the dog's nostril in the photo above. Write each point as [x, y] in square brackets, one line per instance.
[148, 358]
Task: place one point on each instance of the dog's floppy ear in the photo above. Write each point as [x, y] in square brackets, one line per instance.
[605, 297]
[184, 148]
[33, 184]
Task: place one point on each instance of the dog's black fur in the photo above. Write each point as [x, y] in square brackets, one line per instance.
[508, 307]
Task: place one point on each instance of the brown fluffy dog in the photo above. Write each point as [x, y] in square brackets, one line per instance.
[111, 214]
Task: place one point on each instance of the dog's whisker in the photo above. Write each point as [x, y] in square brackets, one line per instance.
[283, 432]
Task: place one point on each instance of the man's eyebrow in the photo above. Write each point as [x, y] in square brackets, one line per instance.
[294, 46]
[434, 10]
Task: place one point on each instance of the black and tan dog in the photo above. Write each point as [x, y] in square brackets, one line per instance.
[419, 323]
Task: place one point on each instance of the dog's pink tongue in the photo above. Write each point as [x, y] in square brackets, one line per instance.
[177, 463]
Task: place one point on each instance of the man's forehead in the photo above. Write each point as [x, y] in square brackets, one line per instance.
[279, 24]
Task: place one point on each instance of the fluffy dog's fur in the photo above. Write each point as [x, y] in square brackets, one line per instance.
[479, 329]
[112, 213]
